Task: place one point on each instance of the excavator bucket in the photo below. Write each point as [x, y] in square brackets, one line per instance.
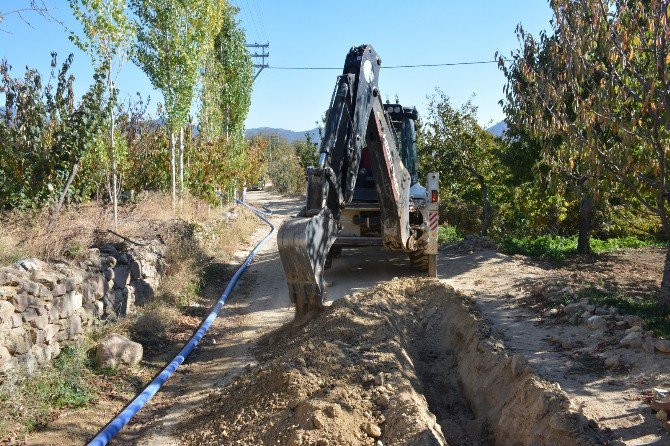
[303, 244]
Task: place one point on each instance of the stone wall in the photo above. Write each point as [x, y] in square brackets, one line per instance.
[44, 306]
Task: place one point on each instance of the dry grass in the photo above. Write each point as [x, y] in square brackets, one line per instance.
[78, 227]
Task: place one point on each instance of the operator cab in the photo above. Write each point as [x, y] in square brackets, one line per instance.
[403, 119]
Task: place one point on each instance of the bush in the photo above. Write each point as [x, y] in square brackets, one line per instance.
[555, 247]
[447, 235]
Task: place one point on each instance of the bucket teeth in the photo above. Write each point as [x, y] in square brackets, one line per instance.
[303, 246]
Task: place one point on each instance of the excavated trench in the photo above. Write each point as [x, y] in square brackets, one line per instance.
[409, 362]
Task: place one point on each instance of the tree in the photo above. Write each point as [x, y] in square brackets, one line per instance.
[21, 8]
[108, 36]
[611, 59]
[44, 135]
[172, 37]
[307, 151]
[227, 81]
[536, 95]
[461, 151]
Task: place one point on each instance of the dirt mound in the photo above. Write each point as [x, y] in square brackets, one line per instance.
[474, 242]
[407, 363]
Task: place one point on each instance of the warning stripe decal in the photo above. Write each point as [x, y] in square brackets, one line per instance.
[432, 218]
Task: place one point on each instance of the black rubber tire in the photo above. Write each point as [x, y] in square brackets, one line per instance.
[419, 260]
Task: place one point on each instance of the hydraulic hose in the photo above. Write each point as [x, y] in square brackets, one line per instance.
[114, 426]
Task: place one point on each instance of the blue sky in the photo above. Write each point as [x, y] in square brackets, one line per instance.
[319, 33]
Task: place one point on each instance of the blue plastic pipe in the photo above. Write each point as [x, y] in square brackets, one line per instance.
[113, 427]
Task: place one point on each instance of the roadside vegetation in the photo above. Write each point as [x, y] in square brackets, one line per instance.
[200, 239]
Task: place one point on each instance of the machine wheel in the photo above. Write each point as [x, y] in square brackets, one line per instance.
[424, 262]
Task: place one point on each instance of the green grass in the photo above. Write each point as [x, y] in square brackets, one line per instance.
[648, 308]
[557, 248]
[448, 234]
[30, 401]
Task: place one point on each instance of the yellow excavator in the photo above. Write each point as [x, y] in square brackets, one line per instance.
[365, 190]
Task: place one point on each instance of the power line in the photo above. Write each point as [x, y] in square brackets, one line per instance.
[253, 20]
[447, 64]
[260, 20]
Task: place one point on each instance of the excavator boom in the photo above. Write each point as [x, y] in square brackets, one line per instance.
[356, 121]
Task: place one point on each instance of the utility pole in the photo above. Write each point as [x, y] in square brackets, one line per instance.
[259, 59]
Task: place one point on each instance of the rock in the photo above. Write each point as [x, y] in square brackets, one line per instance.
[383, 400]
[40, 322]
[17, 320]
[7, 292]
[37, 336]
[636, 328]
[135, 270]
[29, 314]
[371, 429]
[75, 325]
[66, 305]
[17, 341]
[518, 364]
[662, 415]
[590, 308]
[6, 313]
[115, 350]
[71, 284]
[108, 274]
[30, 265]
[662, 345]
[573, 308]
[45, 278]
[22, 301]
[612, 362]
[601, 311]
[379, 379]
[333, 410]
[121, 276]
[632, 339]
[317, 421]
[648, 345]
[550, 312]
[143, 291]
[90, 291]
[59, 290]
[49, 332]
[596, 323]
[4, 356]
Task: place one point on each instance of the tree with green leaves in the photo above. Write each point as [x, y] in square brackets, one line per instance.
[226, 82]
[535, 94]
[607, 89]
[107, 37]
[454, 145]
[44, 134]
[172, 38]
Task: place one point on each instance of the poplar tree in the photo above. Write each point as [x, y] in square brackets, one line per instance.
[172, 36]
[107, 37]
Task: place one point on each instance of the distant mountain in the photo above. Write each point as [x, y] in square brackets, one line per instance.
[498, 129]
[288, 135]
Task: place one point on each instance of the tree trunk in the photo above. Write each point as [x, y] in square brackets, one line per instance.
[59, 204]
[112, 155]
[181, 163]
[664, 294]
[585, 218]
[173, 173]
[487, 211]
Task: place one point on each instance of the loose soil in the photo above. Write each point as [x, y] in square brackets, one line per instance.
[475, 365]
